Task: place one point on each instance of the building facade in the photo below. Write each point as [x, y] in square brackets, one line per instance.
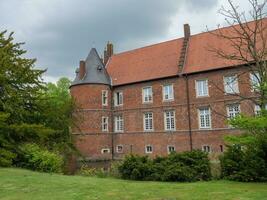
[172, 96]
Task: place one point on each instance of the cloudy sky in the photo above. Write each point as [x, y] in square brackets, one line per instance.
[59, 33]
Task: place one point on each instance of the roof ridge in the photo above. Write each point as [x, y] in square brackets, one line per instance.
[151, 45]
[208, 31]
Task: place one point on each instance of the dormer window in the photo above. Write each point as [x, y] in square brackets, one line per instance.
[99, 67]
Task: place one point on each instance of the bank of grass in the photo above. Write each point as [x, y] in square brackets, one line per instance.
[23, 184]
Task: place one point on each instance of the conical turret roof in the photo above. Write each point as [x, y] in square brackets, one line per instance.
[95, 72]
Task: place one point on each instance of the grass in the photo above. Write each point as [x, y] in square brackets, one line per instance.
[23, 184]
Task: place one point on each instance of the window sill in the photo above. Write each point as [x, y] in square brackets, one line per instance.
[200, 97]
[168, 100]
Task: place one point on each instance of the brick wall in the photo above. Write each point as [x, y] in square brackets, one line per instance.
[134, 139]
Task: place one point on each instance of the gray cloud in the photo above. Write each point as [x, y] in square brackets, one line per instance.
[61, 32]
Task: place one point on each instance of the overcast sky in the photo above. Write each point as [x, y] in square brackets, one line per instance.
[59, 33]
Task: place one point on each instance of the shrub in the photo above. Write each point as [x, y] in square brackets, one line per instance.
[246, 164]
[91, 171]
[6, 157]
[36, 158]
[187, 166]
[136, 168]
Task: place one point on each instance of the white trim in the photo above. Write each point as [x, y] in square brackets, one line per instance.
[163, 94]
[225, 85]
[105, 149]
[232, 105]
[205, 145]
[199, 120]
[148, 146]
[143, 95]
[102, 124]
[104, 92]
[115, 125]
[168, 150]
[165, 120]
[144, 122]
[251, 77]
[115, 98]
[196, 87]
[119, 145]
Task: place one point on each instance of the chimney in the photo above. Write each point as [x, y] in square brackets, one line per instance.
[186, 31]
[183, 51]
[108, 52]
[82, 69]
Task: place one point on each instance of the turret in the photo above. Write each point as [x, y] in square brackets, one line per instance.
[92, 94]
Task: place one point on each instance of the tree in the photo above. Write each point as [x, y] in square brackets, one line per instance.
[57, 114]
[247, 41]
[20, 82]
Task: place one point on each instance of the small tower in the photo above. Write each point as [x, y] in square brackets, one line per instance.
[91, 90]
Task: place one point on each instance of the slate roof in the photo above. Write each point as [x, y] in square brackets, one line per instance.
[95, 71]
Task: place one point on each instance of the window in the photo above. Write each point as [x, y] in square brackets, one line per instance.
[255, 80]
[171, 149]
[202, 89]
[104, 97]
[149, 149]
[105, 151]
[148, 121]
[169, 119]
[257, 109]
[147, 95]
[206, 148]
[119, 149]
[167, 92]
[104, 124]
[231, 84]
[118, 123]
[204, 118]
[221, 148]
[118, 98]
[233, 111]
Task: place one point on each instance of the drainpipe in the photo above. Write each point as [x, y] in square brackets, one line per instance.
[112, 124]
[189, 113]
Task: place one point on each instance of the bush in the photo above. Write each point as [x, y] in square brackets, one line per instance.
[90, 171]
[187, 166]
[6, 158]
[36, 158]
[247, 163]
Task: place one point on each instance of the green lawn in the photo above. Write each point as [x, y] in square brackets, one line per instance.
[22, 184]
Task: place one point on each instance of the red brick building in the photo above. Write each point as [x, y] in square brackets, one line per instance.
[171, 96]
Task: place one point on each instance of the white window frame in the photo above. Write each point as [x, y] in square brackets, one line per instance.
[146, 150]
[119, 123]
[168, 148]
[147, 96]
[257, 109]
[104, 123]
[169, 95]
[232, 111]
[254, 81]
[170, 118]
[231, 89]
[150, 120]
[204, 83]
[118, 96]
[104, 97]
[117, 148]
[206, 146]
[205, 119]
[105, 149]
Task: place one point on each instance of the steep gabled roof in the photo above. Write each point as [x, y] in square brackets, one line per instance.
[95, 71]
[161, 60]
[151, 62]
